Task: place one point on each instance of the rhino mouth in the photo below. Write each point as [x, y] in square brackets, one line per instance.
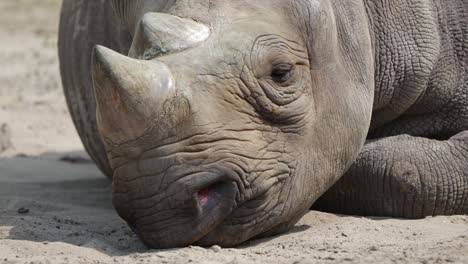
[215, 201]
[212, 196]
[208, 199]
[215, 204]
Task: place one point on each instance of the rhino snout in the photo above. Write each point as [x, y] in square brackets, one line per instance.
[188, 210]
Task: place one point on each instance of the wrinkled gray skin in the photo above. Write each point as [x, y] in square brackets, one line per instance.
[221, 121]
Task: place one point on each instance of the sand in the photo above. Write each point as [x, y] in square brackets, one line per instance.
[55, 206]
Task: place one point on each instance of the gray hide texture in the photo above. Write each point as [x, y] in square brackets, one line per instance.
[221, 121]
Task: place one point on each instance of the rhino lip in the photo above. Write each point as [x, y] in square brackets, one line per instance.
[207, 186]
[215, 196]
[211, 198]
[215, 202]
[211, 187]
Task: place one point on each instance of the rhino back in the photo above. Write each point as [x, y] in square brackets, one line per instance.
[421, 49]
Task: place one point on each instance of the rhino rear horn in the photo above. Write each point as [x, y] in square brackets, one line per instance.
[159, 34]
[129, 93]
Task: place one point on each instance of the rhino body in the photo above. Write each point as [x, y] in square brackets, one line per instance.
[221, 121]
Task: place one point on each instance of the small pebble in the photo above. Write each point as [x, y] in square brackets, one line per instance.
[216, 248]
[23, 210]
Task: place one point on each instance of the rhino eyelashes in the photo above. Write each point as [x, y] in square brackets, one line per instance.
[158, 34]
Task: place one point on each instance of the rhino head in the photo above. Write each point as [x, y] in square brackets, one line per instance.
[228, 125]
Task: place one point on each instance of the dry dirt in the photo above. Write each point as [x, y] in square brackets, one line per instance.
[55, 208]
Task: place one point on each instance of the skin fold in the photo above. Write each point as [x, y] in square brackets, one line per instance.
[416, 161]
[222, 121]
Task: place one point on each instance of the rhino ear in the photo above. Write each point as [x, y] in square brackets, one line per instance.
[158, 34]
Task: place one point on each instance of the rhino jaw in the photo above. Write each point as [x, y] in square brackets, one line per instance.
[129, 93]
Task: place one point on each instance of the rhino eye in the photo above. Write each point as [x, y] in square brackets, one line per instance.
[281, 73]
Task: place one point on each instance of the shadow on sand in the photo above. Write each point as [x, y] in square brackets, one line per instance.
[61, 197]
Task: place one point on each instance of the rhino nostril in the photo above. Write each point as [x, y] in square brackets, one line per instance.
[212, 194]
[202, 196]
[215, 195]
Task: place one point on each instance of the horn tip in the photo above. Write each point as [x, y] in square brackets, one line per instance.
[101, 54]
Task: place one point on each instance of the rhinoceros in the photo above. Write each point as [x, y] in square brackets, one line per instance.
[220, 121]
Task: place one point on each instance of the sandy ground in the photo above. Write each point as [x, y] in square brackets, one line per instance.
[56, 211]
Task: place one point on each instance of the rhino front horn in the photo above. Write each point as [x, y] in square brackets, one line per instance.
[159, 34]
[129, 93]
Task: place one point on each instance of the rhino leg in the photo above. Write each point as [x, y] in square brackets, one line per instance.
[404, 176]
